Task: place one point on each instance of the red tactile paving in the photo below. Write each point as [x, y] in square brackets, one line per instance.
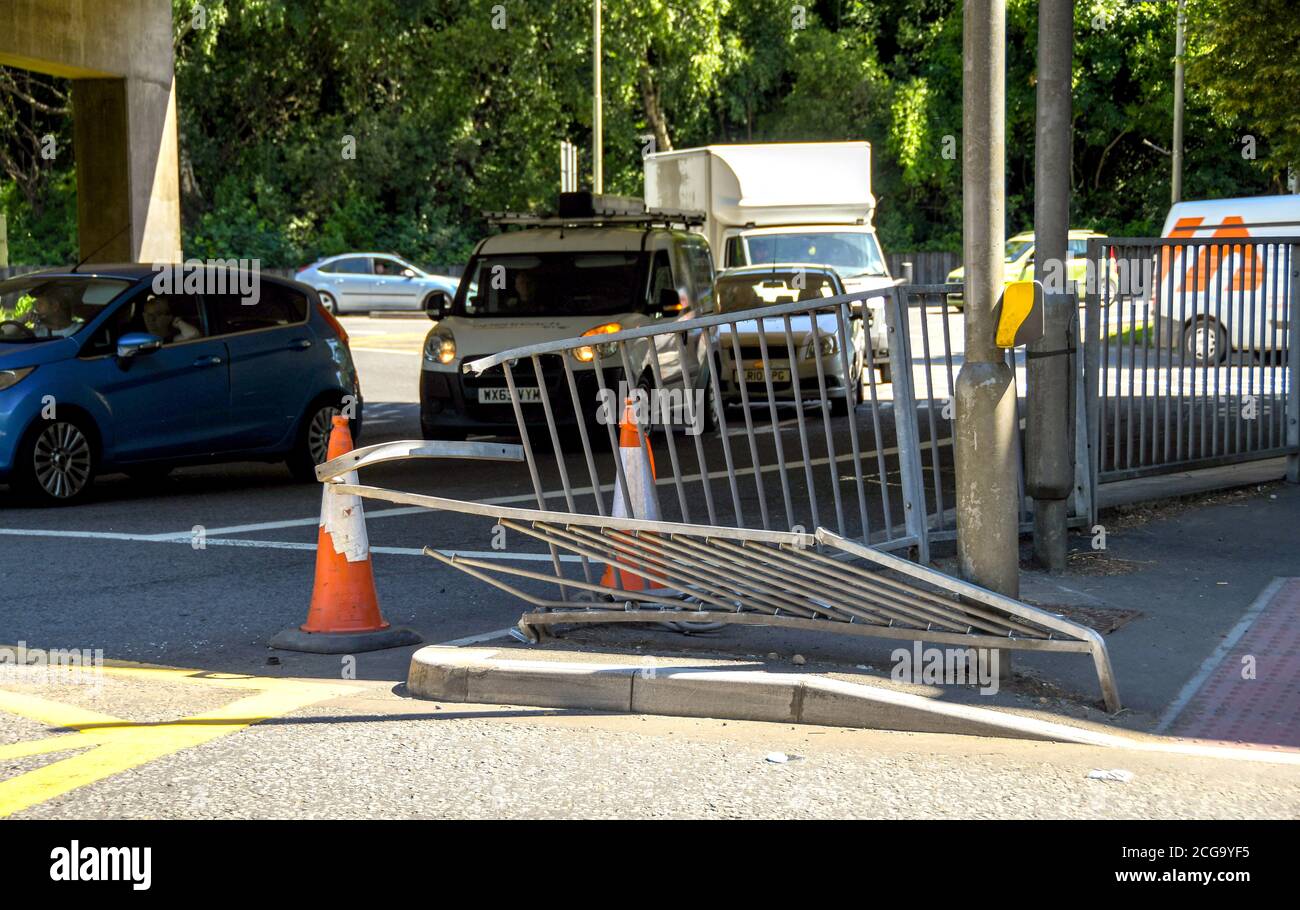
[1264, 711]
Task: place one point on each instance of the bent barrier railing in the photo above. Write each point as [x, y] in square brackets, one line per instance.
[631, 561]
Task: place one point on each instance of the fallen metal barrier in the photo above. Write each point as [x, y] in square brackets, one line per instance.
[702, 574]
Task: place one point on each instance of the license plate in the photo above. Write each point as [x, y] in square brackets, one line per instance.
[502, 396]
[755, 376]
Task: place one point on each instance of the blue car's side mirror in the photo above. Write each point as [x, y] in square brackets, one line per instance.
[135, 343]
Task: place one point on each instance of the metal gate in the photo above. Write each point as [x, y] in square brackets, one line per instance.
[1192, 349]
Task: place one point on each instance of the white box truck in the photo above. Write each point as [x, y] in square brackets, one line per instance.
[781, 202]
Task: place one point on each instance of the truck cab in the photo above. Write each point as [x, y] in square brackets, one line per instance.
[600, 265]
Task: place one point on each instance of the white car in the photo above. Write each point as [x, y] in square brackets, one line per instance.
[362, 282]
[753, 287]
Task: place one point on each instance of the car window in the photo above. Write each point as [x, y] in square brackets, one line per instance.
[699, 262]
[276, 305]
[661, 280]
[353, 265]
[735, 252]
[35, 309]
[1077, 248]
[748, 291]
[592, 283]
[385, 267]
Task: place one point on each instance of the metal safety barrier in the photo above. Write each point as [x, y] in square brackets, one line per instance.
[770, 378]
[726, 543]
[1192, 349]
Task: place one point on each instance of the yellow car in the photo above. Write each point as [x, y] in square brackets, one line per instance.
[1019, 264]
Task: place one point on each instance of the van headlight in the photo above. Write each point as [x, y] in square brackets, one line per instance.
[588, 352]
[10, 378]
[440, 346]
[824, 346]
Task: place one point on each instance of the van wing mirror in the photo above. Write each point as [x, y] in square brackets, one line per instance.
[437, 305]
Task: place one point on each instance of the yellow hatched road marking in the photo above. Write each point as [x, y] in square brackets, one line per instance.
[111, 745]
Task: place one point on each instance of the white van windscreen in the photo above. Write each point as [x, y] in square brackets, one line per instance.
[556, 284]
[851, 253]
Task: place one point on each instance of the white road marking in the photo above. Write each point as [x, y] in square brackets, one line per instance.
[1212, 662]
[272, 544]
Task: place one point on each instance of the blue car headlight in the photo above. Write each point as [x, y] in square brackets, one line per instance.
[10, 378]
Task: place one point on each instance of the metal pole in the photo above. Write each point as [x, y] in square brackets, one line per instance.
[4, 241]
[1180, 48]
[985, 434]
[1049, 462]
[597, 115]
[1293, 370]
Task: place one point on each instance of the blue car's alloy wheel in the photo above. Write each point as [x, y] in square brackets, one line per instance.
[61, 460]
[318, 433]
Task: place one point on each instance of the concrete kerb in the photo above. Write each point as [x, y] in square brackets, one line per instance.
[478, 676]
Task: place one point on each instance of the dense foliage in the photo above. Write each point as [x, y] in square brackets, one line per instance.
[452, 107]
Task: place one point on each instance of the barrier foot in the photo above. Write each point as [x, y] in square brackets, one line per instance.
[296, 639]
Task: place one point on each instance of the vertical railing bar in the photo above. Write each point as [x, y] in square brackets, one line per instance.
[1146, 377]
[633, 381]
[1252, 427]
[803, 430]
[656, 372]
[1183, 389]
[902, 338]
[1238, 309]
[689, 383]
[826, 421]
[776, 430]
[716, 380]
[587, 453]
[554, 433]
[1218, 324]
[845, 318]
[1132, 381]
[749, 421]
[1200, 367]
[531, 459]
[929, 410]
[604, 395]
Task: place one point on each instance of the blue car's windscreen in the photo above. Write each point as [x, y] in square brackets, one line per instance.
[564, 284]
[34, 309]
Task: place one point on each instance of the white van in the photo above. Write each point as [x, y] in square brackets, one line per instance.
[602, 265]
[1231, 295]
[782, 203]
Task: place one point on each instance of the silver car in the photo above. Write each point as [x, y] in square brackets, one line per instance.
[361, 282]
[753, 287]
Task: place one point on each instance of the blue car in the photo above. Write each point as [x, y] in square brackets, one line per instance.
[136, 370]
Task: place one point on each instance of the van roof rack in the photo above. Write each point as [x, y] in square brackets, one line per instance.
[587, 209]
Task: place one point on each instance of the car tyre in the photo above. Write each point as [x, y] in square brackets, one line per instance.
[1206, 342]
[329, 302]
[312, 445]
[56, 463]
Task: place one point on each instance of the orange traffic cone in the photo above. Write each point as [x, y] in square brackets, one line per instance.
[344, 614]
[639, 469]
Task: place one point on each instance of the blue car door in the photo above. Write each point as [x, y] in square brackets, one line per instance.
[273, 353]
[168, 403]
